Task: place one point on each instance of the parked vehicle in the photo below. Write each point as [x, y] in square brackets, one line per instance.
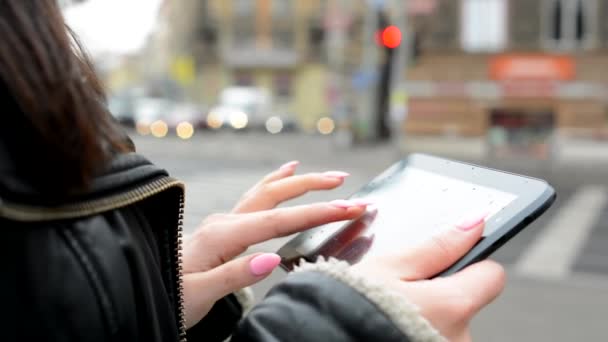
[190, 113]
[123, 109]
[150, 116]
[245, 108]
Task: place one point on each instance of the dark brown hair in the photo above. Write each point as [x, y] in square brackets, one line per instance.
[61, 133]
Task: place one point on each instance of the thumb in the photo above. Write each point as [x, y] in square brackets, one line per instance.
[208, 287]
[482, 282]
[442, 250]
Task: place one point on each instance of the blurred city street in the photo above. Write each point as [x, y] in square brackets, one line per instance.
[555, 291]
[221, 92]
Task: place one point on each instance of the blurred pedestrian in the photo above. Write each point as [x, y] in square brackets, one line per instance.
[92, 231]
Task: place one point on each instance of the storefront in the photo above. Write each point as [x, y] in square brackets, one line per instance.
[525, 102]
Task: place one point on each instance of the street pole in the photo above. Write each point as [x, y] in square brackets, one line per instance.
[398, 95]
[336, 25]
[365, 125]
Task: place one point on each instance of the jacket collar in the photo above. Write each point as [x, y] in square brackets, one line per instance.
[124, 172]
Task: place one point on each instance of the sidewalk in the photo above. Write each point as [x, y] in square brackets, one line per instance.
[566, 150]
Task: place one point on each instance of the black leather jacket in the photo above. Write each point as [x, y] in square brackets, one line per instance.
[104, 266]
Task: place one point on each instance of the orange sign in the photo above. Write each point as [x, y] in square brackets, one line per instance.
[532, 67]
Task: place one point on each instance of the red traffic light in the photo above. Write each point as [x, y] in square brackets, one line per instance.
[390, 37]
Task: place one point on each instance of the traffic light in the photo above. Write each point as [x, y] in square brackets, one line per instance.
[388, 38]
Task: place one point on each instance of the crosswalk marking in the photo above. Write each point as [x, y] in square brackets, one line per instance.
[555, 249]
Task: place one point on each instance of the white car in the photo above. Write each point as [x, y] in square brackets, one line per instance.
[150, 116]
[242, 107]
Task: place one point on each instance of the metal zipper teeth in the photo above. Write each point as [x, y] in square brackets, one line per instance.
[179, 271]
[25, 213]
[33, 214]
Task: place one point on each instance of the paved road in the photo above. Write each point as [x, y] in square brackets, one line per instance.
[560, 300]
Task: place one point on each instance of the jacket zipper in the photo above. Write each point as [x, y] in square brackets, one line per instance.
[179, 274]
[24, 213]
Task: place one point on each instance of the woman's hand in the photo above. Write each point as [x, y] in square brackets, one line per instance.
[210, 270]
[448, 303]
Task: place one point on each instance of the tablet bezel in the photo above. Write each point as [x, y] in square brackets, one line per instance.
[533, 197]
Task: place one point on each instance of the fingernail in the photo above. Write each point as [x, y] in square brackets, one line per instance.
[264, 264]
[362, 202]
[471, 222]
[336, 174]
[345, 204]
[290, 165]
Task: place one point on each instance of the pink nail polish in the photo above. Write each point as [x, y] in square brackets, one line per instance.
[346, 204]
[362, 202]
[336, 174]
[471, 222]
[290, 165]
[264, 264]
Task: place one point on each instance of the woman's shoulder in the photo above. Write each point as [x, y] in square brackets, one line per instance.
[127, 179]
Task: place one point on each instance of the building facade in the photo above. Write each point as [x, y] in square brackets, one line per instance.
[273, 44]
[510, 69]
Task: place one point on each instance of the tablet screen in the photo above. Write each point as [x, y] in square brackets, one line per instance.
[410, 206]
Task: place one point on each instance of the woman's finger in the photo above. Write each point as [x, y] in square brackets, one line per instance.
[441, 251]
[482, 282]
[269, 195]
[204, 288]
[286, 170]
[252, 228]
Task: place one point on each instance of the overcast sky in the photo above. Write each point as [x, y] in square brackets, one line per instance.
[115, 26]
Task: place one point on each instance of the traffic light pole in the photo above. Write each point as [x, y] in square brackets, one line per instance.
[398, 97]
[365, 129]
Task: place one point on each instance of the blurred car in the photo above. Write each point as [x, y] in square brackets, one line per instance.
[123, 109]
[150, 116]
[186, 113]
[241, 108]
[185, 118]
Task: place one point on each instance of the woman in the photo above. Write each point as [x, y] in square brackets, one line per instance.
[92, 231]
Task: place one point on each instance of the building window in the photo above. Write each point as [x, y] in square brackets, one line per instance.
[282, 85]
[282, 24]
[569, 24]
[483, 25]
[243, 23]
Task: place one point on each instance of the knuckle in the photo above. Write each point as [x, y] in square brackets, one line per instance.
[272, 220]
[248, 194]
[442, 247]
[266, 191]
[229, 278]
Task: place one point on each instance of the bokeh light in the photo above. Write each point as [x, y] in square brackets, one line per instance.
[159, 129]
[142, 128]
[326, 125]
[184, 130]
[214, 120]
[238, 120]
[274, 125]
[391, 37]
